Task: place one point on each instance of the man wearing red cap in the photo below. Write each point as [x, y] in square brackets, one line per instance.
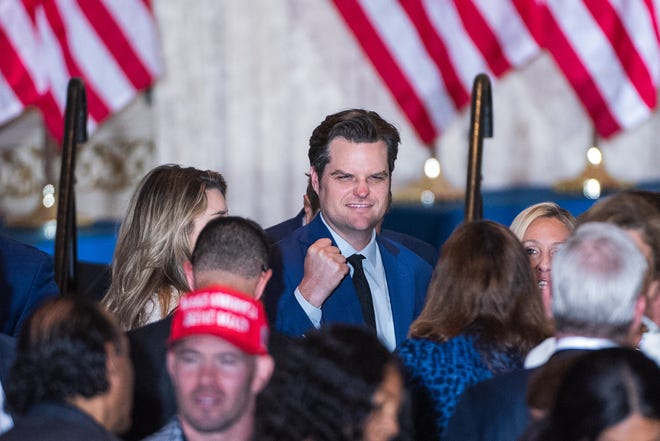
[218, 362]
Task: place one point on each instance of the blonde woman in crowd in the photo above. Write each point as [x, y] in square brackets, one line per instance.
[166, 214]
[541, 228]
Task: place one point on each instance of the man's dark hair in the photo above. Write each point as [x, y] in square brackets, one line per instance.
[355, 125]
[61, 353]
[314, 202]
[232, 244]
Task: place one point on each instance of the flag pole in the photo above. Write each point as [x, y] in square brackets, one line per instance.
[75, 131]
[481, 126]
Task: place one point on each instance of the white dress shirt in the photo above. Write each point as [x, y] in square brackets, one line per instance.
[6, 422]
[375, 273]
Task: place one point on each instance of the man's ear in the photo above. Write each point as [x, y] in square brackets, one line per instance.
[264, 367]
[315, 179]
[307, 209]
[112, 366]
[110, 360]
[170, 364]
[640, 307]
[190, 276]
[264, 277]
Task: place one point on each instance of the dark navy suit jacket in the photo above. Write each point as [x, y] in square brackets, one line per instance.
[283, 229]
[497, 410]
[424, 250]
[7, 355]
[407, 275]
[48, 421]
[27, 278]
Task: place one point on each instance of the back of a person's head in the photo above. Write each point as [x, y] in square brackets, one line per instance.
[551, 210]
[627, 210]
[323, 386]
[233, 245]
[600, 390]
[483, 283]
[636, 212]
[61, 353]
[598, 276]
[154, 238]
[652, 197]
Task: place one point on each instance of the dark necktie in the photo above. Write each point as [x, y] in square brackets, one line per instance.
[362, 289]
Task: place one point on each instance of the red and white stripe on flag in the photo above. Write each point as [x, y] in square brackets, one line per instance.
[111, 44]
[609, 52]
[21, 76]
[428, 52]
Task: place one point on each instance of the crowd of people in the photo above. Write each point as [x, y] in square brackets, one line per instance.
[327, 327]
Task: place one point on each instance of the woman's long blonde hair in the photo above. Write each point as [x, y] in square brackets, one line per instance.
[153, 241]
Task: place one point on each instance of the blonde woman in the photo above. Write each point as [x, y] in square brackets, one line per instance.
[166, 214]
[541, 228]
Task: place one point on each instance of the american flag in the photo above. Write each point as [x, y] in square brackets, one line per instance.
[112, 45]
[429, 51]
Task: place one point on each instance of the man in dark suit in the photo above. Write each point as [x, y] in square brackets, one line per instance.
[27, 278]
[72, 378]
[352, 155]
[599, 277]
[230, 251]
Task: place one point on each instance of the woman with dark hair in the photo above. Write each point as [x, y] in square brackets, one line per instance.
[607, 395]
[338, 383]
[482, 315]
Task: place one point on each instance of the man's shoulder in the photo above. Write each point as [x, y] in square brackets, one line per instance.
[300, 239]
[159, 329]
[489, 395]
[423, 249]
[492, 410]
[54, 421]
[398, 254]
[169, 432]
[280, 231]
[149, 341]
[510, 381]
[14, 248]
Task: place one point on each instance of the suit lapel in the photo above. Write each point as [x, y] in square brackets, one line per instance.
[399, 281]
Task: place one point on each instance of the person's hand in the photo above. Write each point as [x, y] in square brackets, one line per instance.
[325, 267]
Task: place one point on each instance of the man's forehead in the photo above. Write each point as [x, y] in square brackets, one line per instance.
[343, 155]
[207, 343]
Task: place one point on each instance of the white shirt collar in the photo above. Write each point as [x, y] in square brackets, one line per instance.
[370, 252]
[650, 324]
[579, 342]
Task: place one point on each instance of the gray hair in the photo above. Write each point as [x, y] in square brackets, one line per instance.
[598, 276]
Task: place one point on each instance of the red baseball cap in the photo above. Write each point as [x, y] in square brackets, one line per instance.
[225, 313]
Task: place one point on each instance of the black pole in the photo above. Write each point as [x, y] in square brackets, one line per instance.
[481, 126]
[66, 245]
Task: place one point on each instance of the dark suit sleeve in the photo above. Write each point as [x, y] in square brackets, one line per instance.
[284, 312]
[42, 287]
[27, 278]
